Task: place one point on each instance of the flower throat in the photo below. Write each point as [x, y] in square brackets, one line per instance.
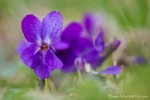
[44, 47]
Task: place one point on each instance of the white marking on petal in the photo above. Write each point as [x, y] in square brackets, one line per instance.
[39, 40]
[37, 49]
[47, 40]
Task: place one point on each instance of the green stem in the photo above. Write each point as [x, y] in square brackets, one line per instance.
[79, 75]
[115, 79]
[124, 75]
[47, 88]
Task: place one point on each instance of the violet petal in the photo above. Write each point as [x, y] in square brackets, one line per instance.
[28, 54]
[52, 60]
[71, 32]
[77, 49]
[51, 27]
[99, 42]
[79, 63]
[60, 45]
[41, 69]
[93, 57]
[111, 70]
[88, 22]
[21, 46]
[37, 59]
[67, 57]
[82, 44]
[116, 44]
[31, 27]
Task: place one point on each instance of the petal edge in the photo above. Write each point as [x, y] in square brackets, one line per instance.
[31, 28]
[51, 27]
[111, 70]
[28, 54]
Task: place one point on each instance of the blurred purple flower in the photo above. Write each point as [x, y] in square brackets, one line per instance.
[21, 46]
[99, 42]
[93, 23]
[96, 56]
[116, 44]
[88, 22]
[111, 70]
[39, 56]
[139, 60]
[74, 46]
[92, 56]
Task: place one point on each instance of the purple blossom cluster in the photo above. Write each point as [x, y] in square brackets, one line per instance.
[48, 47]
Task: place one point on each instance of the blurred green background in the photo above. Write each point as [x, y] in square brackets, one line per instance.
[129, 20]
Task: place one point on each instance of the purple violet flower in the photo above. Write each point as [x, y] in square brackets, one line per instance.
[96, 56]
[74, 46]
[93, 55]
[40, 56]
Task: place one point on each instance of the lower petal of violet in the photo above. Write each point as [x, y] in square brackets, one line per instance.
[41, 69]
[111, 70]
[28, 54]
[52, 60]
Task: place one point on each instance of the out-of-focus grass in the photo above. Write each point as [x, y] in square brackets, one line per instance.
[129, 14]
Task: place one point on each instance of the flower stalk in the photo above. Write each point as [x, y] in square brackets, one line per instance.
[47, 88]
[79, 63]
[124, 75]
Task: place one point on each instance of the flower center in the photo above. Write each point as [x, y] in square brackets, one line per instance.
[44, 47]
